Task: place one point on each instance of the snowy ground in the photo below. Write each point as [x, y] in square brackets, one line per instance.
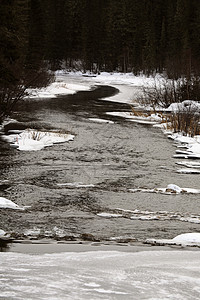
[34, 140]
[101, 275]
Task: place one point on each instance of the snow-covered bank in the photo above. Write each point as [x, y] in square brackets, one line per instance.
[34, 140]
[57, 88]
[151, 119]
[129, 85]
[101, 275]
[185, 106]
[188, 147]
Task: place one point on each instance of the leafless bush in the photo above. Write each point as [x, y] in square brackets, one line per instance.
[185, 121]
[9, 96]
[164, 92]
[167, 91]
[13, 91]
[37, 78]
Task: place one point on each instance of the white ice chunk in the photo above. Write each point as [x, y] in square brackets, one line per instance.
[101, 120]
[193, 237]
[5, 203]
[109, 215]
[188, 171]
[2, 233]
[76, 185]
[174, 188]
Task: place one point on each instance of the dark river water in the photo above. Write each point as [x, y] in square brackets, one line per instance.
[109, 159]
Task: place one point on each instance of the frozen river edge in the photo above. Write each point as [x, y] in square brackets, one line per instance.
[101, 275]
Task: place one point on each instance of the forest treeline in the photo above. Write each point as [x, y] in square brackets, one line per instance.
[123, 35]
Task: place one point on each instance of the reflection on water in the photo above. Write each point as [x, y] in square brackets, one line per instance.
[70, 185]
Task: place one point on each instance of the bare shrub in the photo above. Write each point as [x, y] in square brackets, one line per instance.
[9, 96]
[13, 91]
[185, 121]
[166, 91]
[162, 93]
[37, 78]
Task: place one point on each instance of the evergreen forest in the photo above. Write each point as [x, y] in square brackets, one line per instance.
[97, 35]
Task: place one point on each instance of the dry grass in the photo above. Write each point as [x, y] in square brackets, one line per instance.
[187, 122]
[163, 117]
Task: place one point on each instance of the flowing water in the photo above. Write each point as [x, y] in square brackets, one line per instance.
[81, 189]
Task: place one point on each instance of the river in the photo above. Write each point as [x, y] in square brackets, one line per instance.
[81, 190]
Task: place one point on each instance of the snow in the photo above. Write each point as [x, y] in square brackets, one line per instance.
[124, 78]
[143, 119]
[101, 120]
[188, 238]
[145, 215]
[57, 88]
[2, 233]
[5, 203]
[189, 164]
[101, 275]
[123, 81]
[86, 82]
[188, 171]
[173, 187]
[191, 145]
[170, 189]
[34, 140]
[76, 185]
[185, 239]
[109, 215]
[179, 138]
[186, 105]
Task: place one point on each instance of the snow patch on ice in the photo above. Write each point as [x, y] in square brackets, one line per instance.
[149, 119]
[145, 215]
[76, 185]
[190, 145]
[2, 233]
[5, 203]
[34, 140]
[170, 189]
[189, 164]
[101, 120]
[188, 171]
[109, 215]
[185, 239]
[188, 238]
